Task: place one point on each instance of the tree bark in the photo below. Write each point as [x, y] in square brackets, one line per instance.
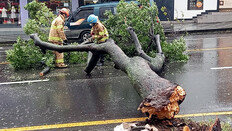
[156, 63]
[161, 97]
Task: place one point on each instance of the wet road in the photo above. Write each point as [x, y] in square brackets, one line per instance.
[68, 96]
[207, 76]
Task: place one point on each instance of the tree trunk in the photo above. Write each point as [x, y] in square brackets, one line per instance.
[161, 97]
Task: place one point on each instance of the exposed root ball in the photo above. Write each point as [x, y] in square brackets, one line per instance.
[169, 108]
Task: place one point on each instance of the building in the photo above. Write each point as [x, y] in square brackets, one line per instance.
[9, 11]
[175, 9]
[11, 15]
[185, 9]
[225, 5]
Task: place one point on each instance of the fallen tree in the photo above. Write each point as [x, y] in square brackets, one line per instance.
[161, 97]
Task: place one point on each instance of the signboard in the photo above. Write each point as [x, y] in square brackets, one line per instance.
[195, 4]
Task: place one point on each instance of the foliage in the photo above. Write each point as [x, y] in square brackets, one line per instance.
[75, 57]
[226, 126]
[174, 50]
[40, 19]
[24, 55]
[129, 14]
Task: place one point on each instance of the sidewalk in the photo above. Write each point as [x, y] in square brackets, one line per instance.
[190, 26]
[9, 35]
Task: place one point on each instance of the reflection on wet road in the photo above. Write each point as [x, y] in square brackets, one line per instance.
[208, 90]
[64, 99]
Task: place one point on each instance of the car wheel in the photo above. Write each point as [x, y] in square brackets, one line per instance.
[85, 35]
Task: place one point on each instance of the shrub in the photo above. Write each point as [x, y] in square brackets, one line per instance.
[25, 54]
[174, 51]
[76, 57]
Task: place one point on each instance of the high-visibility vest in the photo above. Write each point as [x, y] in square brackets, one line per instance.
[100, 33]
[57, 30]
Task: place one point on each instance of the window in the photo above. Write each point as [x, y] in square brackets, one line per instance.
[102, 11]
[9, 12]
[56, 5]
[82, 14]
[195, 4]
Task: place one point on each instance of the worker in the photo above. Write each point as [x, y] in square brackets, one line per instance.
[99, 33]
[58, 37]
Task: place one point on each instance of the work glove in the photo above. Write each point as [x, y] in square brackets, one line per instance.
[65, 42]
[89, 39]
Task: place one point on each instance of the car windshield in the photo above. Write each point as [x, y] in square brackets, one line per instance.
[81, 14]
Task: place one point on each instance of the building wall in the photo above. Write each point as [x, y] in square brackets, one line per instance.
[181, 8]
[23, 12]
[9, 13]
[227, 4]
[75, 4]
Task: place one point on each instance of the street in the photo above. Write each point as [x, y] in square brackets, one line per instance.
[66, 98]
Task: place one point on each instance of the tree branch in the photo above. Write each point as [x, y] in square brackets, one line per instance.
[156, 63]
[138, 46]
[66, 48]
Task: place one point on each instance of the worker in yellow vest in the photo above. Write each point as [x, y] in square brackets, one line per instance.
[99, 33]
[57, 36]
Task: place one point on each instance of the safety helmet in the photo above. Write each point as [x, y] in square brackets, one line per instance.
[92, 19]
[65, 11]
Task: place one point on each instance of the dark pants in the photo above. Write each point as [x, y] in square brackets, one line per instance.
[92, 62]
[95, 57]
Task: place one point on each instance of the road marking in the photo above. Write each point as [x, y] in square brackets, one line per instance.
[20, 82]
[205, 114]
[4, 63]
[225, 48]
[220, 68]
[104, 122]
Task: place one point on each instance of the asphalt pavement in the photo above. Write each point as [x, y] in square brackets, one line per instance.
[65, 99]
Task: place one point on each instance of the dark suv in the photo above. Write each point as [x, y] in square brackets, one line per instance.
[83, 30]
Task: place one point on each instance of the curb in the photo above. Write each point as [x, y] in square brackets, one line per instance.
[197, 31]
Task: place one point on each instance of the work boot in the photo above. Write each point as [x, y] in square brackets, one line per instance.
[61, 65]
[100, 63]
[88, 74]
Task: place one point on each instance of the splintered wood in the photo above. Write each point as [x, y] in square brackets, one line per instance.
[168, 111]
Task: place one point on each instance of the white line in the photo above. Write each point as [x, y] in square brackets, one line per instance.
[220, 68]
[20, 82]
